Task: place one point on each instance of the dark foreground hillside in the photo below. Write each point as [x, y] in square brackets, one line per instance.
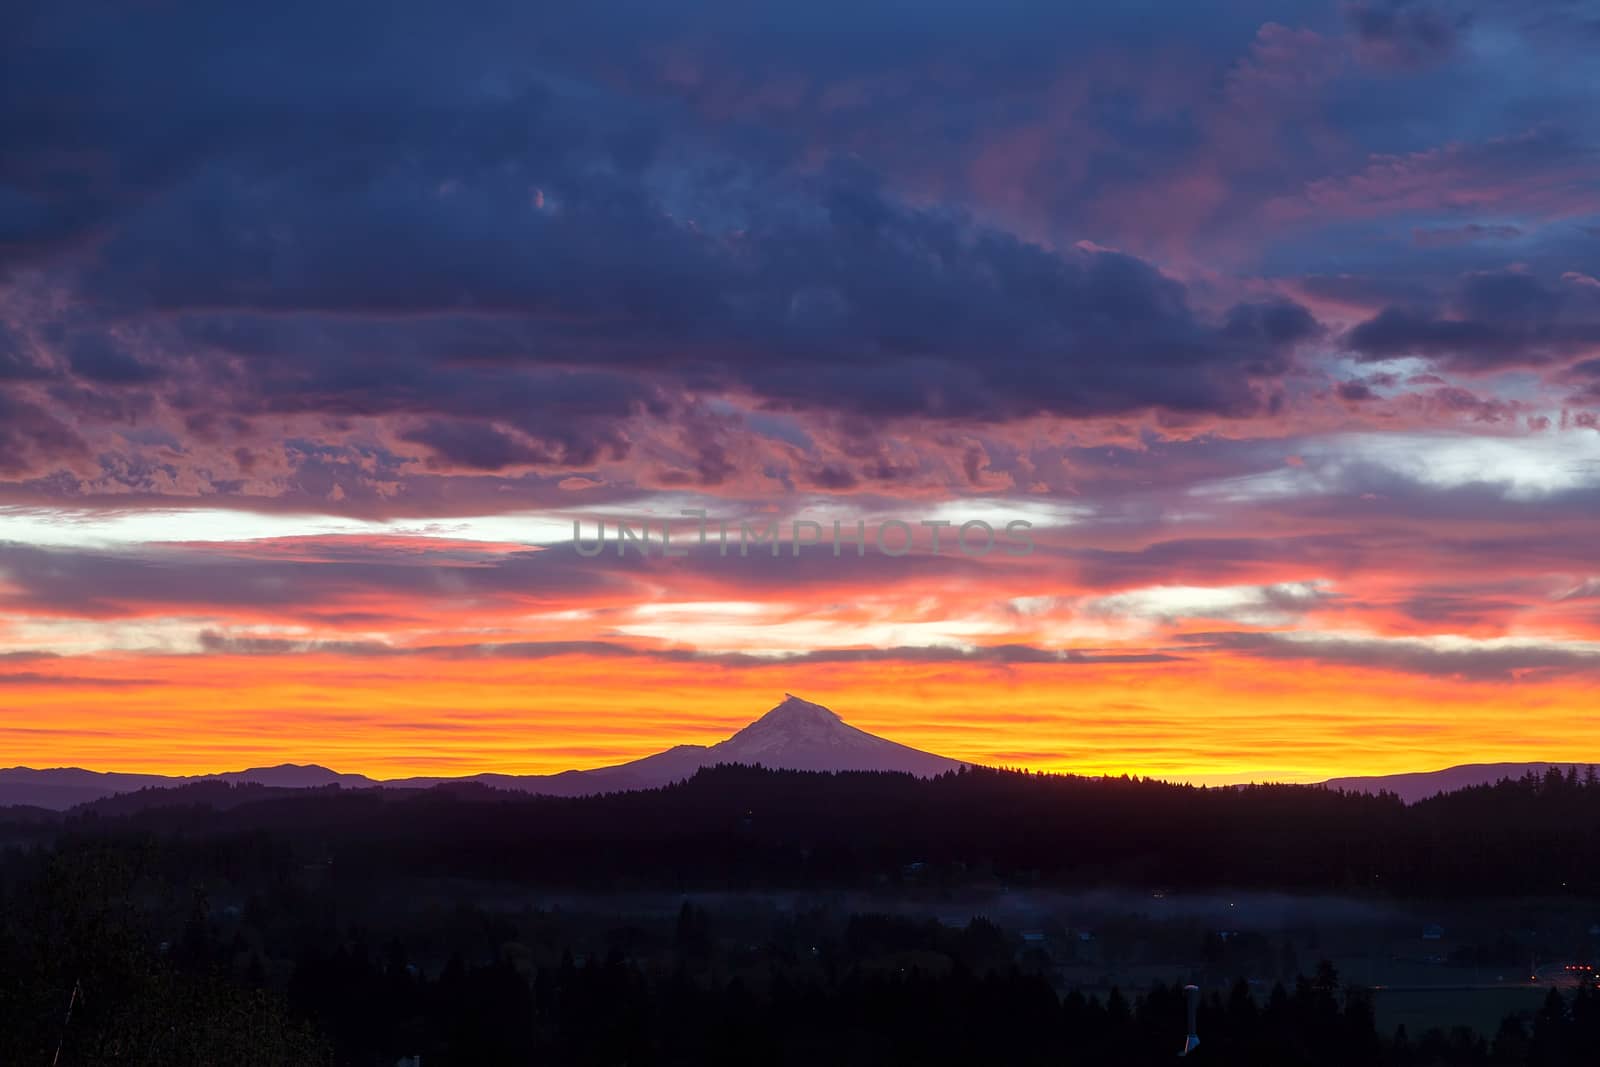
[750, 916]
[735, 826]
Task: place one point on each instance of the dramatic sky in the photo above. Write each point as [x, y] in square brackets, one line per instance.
[320, 324]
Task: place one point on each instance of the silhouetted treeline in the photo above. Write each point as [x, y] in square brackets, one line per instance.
[112, 952]
[609, 1012]
[747, 827]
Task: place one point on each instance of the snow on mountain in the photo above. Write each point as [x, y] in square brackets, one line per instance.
[799, 735]
[796, 735]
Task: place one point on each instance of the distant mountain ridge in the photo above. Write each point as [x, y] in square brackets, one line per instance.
[60, 788]
[795, 735]
[1420, 785]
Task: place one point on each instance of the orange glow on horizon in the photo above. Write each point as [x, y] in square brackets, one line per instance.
[1220, 719]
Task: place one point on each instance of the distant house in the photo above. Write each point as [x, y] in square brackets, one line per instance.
[1432, 932]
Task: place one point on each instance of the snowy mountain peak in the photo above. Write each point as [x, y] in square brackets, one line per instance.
[794, 722]
[798, 709]
[801, 735]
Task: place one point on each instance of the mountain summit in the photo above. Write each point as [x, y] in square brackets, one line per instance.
[796, 735]
[799, 735]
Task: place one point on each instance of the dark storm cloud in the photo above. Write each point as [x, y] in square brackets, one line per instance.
[301, 166]
[34, 679]
[18, 360]
[1406, 33]
[999, 655]
[1586, 376]
[1365, 290]
[442, 369]
[99, 359]
[212, 641]
[1496, 320]
[1444, 236]
[326, 579]
[836, 297]
[1212, 560]
[1454, 609]
[110, 584]
[479, 446]
[506, 241]
[1483, 662]
[30, 434]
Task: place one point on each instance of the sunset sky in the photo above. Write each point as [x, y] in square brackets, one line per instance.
[320, 324]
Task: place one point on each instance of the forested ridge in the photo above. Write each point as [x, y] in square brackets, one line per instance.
[750, 827]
